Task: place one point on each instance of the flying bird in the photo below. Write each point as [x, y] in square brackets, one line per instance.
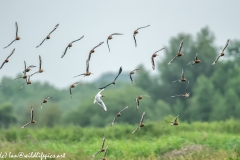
[31, 121]
[45, 100]
[141, 124]
[16, 38]
[136, 32]
[99, 101]
[179, 54]
[28, 81]
[222, 53]
[70, 45]
[118, 115]
[195, 61]
[138, 99]
[114, 82]
[87, 70]
[93, 50]
[110, 37]
[48, 36]
[183, 79]
[24, 73]
[131, 73]
[73, 86]
[6, 60]
[40, 66]
[186, 95]
[175, 121]
[102, 149]
[153, 56]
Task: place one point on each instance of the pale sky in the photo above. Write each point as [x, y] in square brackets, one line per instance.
[96, 20]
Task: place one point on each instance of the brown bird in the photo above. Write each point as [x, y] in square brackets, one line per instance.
[45, 100]
[136, 32]
[179, 54]
[222, 53]
[183, 79]
[73, 86]
[40, 66]
[118, 115]
[31, 121]
[138, 99]
[48, 36]
[27, 82]
[114, 82]
[141, 124]
[110, 37]
[175, 121]
[70, 45]
[17, 37]
[131, 73]
[102, 149]
[186, 95]
[6, 60]
[105, 153]
[24, 72]
[153, 56]
[93, 50]
[195, 61]
[87, 70]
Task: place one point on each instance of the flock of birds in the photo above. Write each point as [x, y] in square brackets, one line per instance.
[88, 73]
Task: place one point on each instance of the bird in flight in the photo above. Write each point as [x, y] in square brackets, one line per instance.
[138, 99]
[70, 45]
[31, 121]
[87, 70]
[141, 124]
[93, 50]
[73, 86]
[45, 100]
[136, 32]
[118, 115]
[28, 81]
[195, 61]
[153, 56]
[175, 122]
[99, 101]
[16, 38]
[186, 95]
[114, 82]
[222, 53]
[48, 36]
[110, 37]
[102, 148]
[24, 72]
[131, 73]
[6, 60]
[179, 54]
[183, 79]
[40, 66]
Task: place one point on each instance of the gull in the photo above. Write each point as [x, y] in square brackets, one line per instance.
[87, 70]
[73, 86]
[6, 60]
[136, 32]
[99, 101]
[175, 121]
[222, 53]
[118, 115]
[186, 95]
[114, 82]
[40, 66]
[132, 72]
[105, 153]
[48, 36]
[138, 99]
[102, 149]
[92, 50]
[141, 124]
[24, 72]
[31, 121]
[70, 45]
[153, 56]
[183, 79]
[45, 100]
[110, 37]
[179, 54]
[195, 61]
[16, 38]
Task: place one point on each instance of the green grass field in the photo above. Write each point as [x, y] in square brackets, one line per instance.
[185, 141]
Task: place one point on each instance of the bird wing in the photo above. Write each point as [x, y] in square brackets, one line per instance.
[187, 86]
[31, 66]
[175, 120]
[216, 60]
[26, 125]
[180, 47]
[87, 66]
[103, 141]
[48, 97]
[153, 64]
[108, 45]
[100, 102]
[98, 45]
[54, 29]
[135, 129]
[143, 27]
[130, 75]
[41, 43]
[176, 81]
[33, 73]
[16, 25]
[119, 72]
[160, 49]
[196, 57]
[172, 60]
[142, 117]
[225, 45]
[137, 101]
[10, 43]
[77, 39]
[64, 52]
[96, 153]
[178, 95]
[106, 85]
[40, 62]
[182, 74]
[2, 64]
[70, 89]
[31, 113]
[79, 75]
[105, 153]
[135, 40]
[192, 62]
[11, 53]
[117, 34]
[113, 120]
[123, 109]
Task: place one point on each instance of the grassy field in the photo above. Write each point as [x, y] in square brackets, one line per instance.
[185, 141]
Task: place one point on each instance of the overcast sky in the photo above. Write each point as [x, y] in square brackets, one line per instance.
[96, 20]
